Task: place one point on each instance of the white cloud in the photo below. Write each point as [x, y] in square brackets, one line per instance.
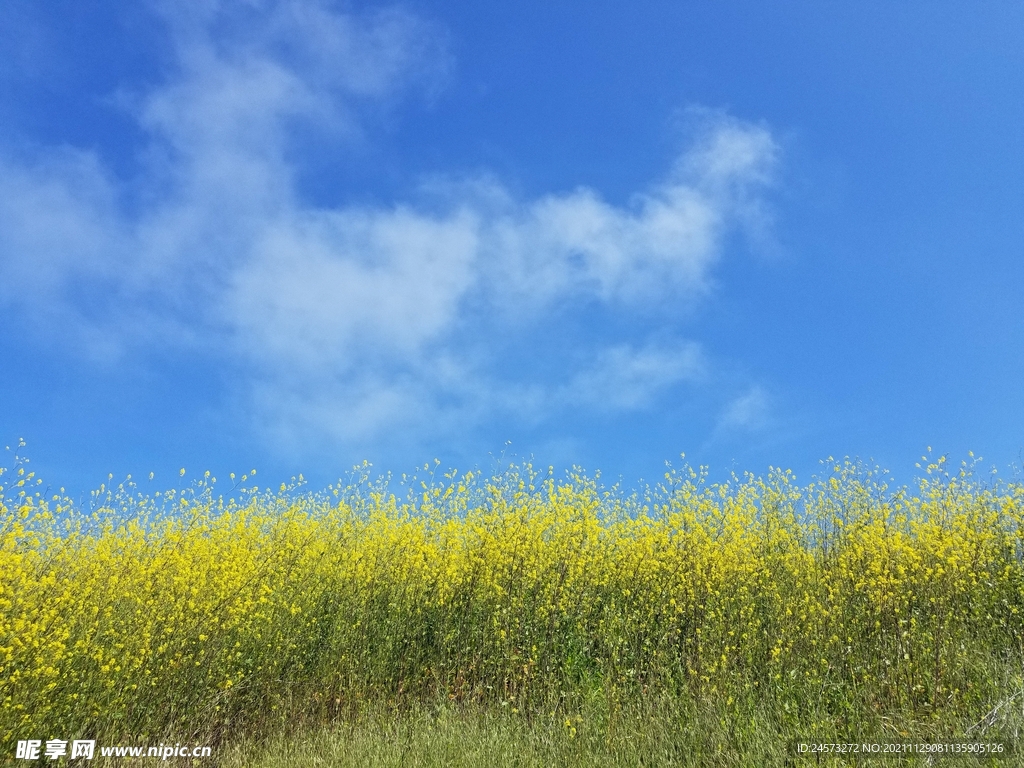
[347, 318]
[321, 287]
[662, 246]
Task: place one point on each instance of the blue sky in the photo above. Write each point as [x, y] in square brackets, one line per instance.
[297, 235]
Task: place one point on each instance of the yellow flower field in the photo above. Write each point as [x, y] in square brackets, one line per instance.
[835, 607]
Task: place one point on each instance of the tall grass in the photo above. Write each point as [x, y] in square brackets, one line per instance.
[842, 608]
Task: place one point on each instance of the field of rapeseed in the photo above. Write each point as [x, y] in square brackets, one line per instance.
[841, 609]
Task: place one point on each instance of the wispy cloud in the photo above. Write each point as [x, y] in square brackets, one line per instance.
[627, 378]
[748, 412]
[348, 321]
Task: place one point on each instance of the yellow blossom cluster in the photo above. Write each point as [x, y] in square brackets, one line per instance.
[188, 613]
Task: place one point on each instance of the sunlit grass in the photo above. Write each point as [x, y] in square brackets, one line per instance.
[538, 612]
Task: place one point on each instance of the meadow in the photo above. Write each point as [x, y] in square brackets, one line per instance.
[521, 619]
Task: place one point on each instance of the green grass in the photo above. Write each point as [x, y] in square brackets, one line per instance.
[637, 733]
